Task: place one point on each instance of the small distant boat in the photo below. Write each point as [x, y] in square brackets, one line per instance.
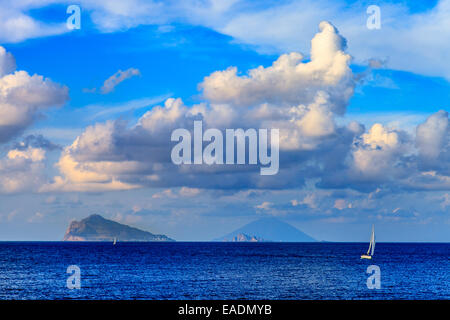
[371, 249]
[114, 242]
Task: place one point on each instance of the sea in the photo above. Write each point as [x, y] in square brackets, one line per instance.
[216, 270]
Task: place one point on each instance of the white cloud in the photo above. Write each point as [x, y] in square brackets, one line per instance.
[310, 200]
[189, 192]
[304, 108]
[266, 205]
[173, 193]
[377, 153]
[88, 176]
[100, 111]
[9, 216]
[299, 97]
[163, 194]
[38, 216]
[376, 158]
[17, 25]
[276, 27]
[445, 201]
[33, 154]
[341, 204]
[432, 136]
[127, 218]
[22, 170]
[118, 77]
[7, 62]
[24, 97]
[286, 26]
[290, 80]
[302, 98]
[378, 136]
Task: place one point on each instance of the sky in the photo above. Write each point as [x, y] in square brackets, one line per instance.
[86, 116]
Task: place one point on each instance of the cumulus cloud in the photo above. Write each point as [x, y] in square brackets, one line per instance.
[24, 163]
[88, 176]
[433, 141]
[23, 97]
[7, 62]
[300, 97]
[33, 154]
[290, 80]
[393, 159]
[379, 157]
[303, 107]
[118, 77]
[22, 170]
[377, 151]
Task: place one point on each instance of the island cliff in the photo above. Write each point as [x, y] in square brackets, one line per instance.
[242, 237]
[97, 228]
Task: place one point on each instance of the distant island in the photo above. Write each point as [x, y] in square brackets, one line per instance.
[97, 228]
[242, 237]
[269, 230]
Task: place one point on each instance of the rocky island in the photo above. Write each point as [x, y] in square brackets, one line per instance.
[268, 230]
[242, 237]
[97, 228]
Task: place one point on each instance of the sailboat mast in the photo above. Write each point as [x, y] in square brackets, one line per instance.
[372, 241]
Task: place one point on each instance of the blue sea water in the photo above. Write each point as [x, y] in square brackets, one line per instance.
[181, 270]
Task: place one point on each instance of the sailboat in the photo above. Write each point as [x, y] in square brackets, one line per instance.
[115, 240]
[371, 249]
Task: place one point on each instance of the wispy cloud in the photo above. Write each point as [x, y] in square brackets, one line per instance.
[102, 111]
[118, 77]
[400, 31]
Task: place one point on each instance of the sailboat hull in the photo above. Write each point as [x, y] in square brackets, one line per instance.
[366, 257]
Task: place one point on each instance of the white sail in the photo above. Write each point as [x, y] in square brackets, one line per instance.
[372, 241]
[371, 249]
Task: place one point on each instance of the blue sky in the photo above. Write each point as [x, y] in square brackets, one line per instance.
[174, 47]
